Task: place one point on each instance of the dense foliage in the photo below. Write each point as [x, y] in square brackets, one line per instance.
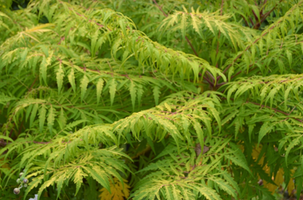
[146, 99]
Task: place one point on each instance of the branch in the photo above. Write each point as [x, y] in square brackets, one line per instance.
[247, 24]
[276, 110]
[242, 17]
[31, 87]
[248, 47]
[265, 16]
[166, 15]
[255, 15]
[3, 143]
[190, 44]
[263, 6]
[160, 8]
[208, 81]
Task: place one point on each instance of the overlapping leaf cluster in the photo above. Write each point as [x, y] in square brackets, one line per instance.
[174, 96]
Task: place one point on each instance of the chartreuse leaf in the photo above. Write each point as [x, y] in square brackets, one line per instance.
[99, 88]
[58, 130]
[51, 119]
[24, 54]
[62, 119]
[291, 145]
[139, 93]
[83, 85]
[44, 65]
[199, 131]
[112, 90]
[59, 76]
[67, 174]
[78, 179]
[42, 116]
[132, 90]
[71, 79]
[225, 186]
[207, 192]
[34, 183]
[46, 184]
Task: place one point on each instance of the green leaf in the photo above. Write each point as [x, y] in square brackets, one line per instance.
[71, 79]
[112, 90]
[157, 93]
[24, 54]
[6, 138]
[78, 179]
[140, 92]
[199, 132]
[291, 145]
[51, 119]
[132, 90]
[225, 186]
[44, 65]
[83, 85]
[99, 88]
[265, 128]
[289, 57]
[99, 175]
[33, 115]
[46, 184]
[195, 23]
[32, 184]
[60, 181]
[59, 76]
[42, 114]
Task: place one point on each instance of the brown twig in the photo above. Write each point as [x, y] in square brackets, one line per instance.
[255, 15]
[194, 50]
[160, 8]
[262, 8]
[208, 81]
[247, 24]
[251, 21]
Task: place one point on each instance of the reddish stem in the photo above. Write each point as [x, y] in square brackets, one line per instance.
[166, 15]
[160, 8]
[275, 109]
[257, 25]
[227, 68]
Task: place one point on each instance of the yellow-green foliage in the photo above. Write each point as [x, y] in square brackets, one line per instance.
[184, 99]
